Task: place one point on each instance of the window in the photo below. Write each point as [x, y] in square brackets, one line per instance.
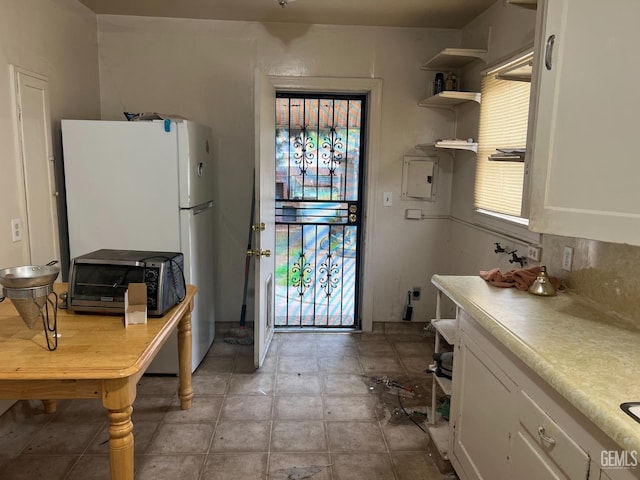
[502, 138]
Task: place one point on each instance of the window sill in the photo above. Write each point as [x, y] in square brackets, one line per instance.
[515, 227]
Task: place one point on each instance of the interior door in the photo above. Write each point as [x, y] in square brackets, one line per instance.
[264, 236]
[33, 128]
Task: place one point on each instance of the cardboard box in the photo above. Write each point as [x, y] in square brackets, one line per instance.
[135, 304]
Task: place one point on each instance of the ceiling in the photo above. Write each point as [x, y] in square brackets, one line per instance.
[392, 13]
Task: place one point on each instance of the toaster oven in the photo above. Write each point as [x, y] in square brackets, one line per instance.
[99, 280]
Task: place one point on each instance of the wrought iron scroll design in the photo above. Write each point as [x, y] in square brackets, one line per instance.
[304, 149]
[301, 274]
[334, 143]
[329, 271]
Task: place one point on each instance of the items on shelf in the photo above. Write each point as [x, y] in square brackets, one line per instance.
[454, 144]
[442, 84]
[450, 83]
[508, 155]
[438, 84]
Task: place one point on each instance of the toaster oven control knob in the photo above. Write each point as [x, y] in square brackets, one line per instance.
[151, 277]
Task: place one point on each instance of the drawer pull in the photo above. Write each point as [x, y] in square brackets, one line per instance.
[546, 438]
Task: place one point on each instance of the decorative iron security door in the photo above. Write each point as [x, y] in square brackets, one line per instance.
[319, 163]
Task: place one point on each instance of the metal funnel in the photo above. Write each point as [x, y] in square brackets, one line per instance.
[29, 309]
[29, 302]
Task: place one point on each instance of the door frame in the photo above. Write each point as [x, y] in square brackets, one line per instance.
[18, 75]
[372, 87]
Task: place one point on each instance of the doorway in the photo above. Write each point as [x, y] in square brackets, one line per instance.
[319, 185]
[39, 227]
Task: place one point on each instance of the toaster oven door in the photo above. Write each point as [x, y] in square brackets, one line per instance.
[101, 288]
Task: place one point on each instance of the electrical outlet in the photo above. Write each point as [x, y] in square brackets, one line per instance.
[567, 258]
[415, 293]
[533, 253]
[16, 229]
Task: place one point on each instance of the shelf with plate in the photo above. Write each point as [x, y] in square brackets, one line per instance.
[508, 155]
[449, 145]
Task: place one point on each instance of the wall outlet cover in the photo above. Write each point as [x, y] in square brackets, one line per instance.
[415, 293]
[413, 213]
[567, 258]
[533, 253]
[16, 230]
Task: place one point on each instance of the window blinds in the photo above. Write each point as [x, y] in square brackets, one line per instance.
[503, 125]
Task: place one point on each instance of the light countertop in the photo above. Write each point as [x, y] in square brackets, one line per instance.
[590, 357]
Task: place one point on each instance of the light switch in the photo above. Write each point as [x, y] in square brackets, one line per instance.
[387, 199]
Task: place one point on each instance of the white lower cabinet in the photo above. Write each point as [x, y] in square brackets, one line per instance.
[507, 423]
[482, 412]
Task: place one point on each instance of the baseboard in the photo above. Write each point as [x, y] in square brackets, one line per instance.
[223, 328]
[398, 327]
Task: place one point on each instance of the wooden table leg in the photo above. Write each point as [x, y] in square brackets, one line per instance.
[117, 397]
[49, 406]
[121, 444]
[185, 391]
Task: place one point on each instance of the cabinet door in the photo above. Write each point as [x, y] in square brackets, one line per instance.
[583, 125]
[482, 408]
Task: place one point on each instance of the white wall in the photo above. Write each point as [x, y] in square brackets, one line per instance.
[502, 29]
[602, 273]
[204, 70]
[56, 38]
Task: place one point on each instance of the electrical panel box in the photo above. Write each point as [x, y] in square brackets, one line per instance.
[418, 174]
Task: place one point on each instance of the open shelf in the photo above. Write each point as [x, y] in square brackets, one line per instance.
[445, 384]
[440, 429]
[454, 58]
[496, 157]
[457, 145]
[448, 99]
[530, 4]
[519, 71]
[447, 328]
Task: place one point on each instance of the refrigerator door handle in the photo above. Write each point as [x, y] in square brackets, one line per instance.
[202, 207]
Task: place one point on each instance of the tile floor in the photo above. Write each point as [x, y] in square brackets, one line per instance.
[313, 411]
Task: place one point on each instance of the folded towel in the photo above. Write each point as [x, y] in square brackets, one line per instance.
[521, 278]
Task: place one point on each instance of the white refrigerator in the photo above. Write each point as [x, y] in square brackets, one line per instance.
[146, 185]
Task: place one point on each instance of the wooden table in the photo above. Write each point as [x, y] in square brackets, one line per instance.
[97, 357]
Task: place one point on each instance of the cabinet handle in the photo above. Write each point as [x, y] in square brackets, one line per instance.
[548, 54]
[546, 438]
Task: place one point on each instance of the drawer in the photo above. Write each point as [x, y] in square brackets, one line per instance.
[551, 439]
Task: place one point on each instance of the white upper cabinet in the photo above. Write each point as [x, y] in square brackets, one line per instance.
[584, 126]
